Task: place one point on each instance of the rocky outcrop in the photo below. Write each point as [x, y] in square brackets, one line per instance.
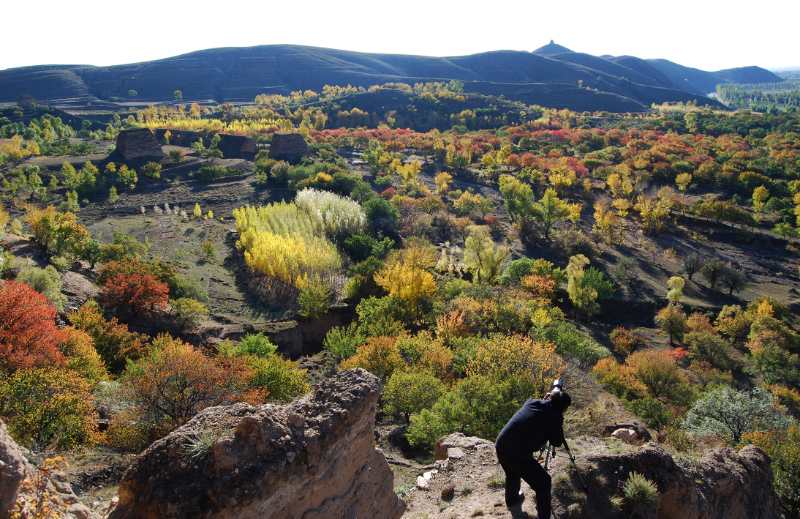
[13, 467]
[314, 458]
[137, 146]
[23, 488]
[237, 146]
[725, 484]
[290, 147]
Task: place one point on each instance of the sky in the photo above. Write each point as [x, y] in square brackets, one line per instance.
[707, 34]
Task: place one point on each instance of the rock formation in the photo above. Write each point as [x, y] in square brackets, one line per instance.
[314, 458]
[19, 481]
[237, 146]
[12, 470]
[290, 147]
[725, 484]
[137, 146]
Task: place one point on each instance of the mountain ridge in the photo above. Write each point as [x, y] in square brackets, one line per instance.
[241, 73]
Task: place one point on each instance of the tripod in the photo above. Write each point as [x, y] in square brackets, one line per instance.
[548, 453]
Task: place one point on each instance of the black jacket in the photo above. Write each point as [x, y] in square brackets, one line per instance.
[536, 423]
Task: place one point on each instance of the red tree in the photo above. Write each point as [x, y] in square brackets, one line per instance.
[29, 336]
[134, 294]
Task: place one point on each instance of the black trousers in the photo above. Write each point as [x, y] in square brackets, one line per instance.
[519, 466]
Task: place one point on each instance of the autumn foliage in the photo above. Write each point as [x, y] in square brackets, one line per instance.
[28, 334]
[135, 294]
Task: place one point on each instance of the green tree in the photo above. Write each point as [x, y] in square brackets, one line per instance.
[583, 296]
[729, 414]
[783, 448]
[408, 392]
[672, 320]
[550, 209]
[482, 256]
[518, 197]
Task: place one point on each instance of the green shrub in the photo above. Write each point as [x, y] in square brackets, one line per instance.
[516, 270]
[282, 379]
[640, 494]
[652, 411]
[361, 246]
[408, 392]
[343, 341]
[256, 344]
[48, 407]
[314, 299]
[478, 406]
[211, 173]
[730, 414]
[188, 312]
[381, 216]
[571, 342]
[705, 346]
[46, 281]
[380, 316]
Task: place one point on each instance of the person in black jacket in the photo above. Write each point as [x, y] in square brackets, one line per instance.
[536, 423]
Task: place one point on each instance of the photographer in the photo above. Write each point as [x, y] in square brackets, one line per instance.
[536, 423]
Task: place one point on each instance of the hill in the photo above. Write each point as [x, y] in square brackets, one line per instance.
[550, 76]
[551, 49]
[703, 82]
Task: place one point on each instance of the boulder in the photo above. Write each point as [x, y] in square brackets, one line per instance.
[22, 488]
[137, 146]
[629, 432]
[290, 147]
[458, 443]
[13, 467]
[725, 484]
[237, 146]
[314, 458]
[78, 288]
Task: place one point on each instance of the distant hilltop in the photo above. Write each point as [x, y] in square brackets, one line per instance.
[552, 75]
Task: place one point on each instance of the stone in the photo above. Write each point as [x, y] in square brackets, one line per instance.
[628, 436]
[137, 146]
[13, 467]
[422, 483]
[15, 470]
[291, 147]
[455, 453]
[458, 440]
[237, 146]
[640, 433]
[448, 492]
[314, 458]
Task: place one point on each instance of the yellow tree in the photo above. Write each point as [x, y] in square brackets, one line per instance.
[550, 209]
[443, 180]
[482, 256]
[622, 205]
[760, 196]
[606, 223]
[405, 274]
[683, 181]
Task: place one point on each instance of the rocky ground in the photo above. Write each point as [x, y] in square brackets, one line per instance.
[468, 482]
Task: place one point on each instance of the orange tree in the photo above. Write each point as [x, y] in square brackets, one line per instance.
[29, 336]
[112, 340]
[175, 381]
[134, 295]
